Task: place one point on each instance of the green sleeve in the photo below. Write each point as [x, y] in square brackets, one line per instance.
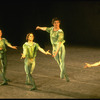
[37, 46]
[6, 42]
[48, 29]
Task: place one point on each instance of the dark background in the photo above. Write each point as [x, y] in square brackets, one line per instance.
[80, 20]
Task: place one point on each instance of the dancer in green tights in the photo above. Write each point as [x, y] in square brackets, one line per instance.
[57, 41]
[3, 58]
[29, 53]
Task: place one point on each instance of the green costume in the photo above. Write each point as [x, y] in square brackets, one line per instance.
[3, 58]
[30, 52]
[55, 38]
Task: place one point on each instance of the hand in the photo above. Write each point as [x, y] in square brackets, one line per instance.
[22, 57]
[54, 54]
[37, 28]
[14, 47]
[87, 65]
[0, 48]
[48, 52]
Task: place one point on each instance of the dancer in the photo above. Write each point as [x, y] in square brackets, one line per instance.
[57, 41]
[29, 53]
[92, 65]
[3, 58]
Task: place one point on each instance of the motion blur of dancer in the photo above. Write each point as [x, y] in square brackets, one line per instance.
[3, 58]
[29, 53]
[57, 41]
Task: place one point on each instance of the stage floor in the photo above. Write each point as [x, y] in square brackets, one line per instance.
[84, 83]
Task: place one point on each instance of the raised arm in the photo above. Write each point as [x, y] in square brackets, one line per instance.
[41, 28]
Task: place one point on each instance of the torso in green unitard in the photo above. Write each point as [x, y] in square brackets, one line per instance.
[3, 59]
[30, 51]
[55, 36]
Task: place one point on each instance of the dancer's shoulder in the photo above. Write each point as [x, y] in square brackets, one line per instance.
[25, 44]
[3, 38]
[60, 30]
[34, 43]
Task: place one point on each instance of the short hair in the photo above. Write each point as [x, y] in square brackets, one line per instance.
[27, 36]
[55, 19]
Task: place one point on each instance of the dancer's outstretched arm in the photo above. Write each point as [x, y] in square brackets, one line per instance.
[9, 45]
[43, 51]
[92, 65]
[13, 47]
[41, 28]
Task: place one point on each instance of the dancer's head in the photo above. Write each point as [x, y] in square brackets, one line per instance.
[0, 33]
[30, 37]
[56, 22]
